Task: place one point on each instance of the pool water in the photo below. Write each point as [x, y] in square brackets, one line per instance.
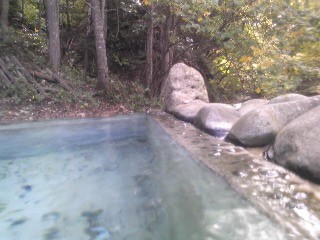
[118, 178]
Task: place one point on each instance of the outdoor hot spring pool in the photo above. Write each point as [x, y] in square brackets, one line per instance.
[117, 178]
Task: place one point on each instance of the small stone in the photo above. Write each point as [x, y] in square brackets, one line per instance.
[52, 234]
[99, 233]
[239, 174]
[300, 196]
[18, 222]
[82, 115]
[52, 216]
[291, 205]
[28, 188]
[24, 112]
[22, 195]
[278, 196]
[271, 174]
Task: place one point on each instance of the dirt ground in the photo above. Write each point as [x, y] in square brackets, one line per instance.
[24, 112]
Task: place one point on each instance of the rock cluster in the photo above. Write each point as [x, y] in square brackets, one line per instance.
[287, 124]
[260, 126]
[185, 96]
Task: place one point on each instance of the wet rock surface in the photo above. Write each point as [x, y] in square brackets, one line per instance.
[287, 98]
[252, 104]
[297, 146]
[277, 192]
[187, 112]
[216, 118]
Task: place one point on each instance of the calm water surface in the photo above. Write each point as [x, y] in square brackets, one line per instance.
[114, 179]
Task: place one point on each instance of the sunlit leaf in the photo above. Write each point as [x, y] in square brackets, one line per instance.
[200, 19]
[146, 2]
[258, 90]
[206, 13]
[245, 59]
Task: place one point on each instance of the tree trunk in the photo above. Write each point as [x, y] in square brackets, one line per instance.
[52, 9]
[167, 50]
[149, 63]
[105, 17]
[118, 19]
[86, 46]
[5, 14]
[22, 12]
[98, 29]
[103, 12]
[39, 16]
[68, 15]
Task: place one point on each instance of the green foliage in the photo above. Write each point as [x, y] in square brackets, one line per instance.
[258, 48]
[242, 47]
[31, 12]
[24, 44]
[129, 93]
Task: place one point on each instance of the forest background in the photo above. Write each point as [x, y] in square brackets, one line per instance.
[119, 51]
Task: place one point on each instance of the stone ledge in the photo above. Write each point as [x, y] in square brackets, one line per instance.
[280, 194]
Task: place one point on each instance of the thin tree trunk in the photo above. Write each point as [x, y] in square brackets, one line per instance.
[101, 51]
[167, 53]
[52, 9]
[149, 63]
[68, 15]
[86, 60]
[39, 15]
[22, 12]
[103, 11]
[5, 14]
[118, 20]
[86, 46]
[105, 17]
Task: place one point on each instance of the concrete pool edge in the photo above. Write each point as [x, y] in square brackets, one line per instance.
[283, 196]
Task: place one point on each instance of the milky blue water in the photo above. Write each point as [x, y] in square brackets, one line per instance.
[118, 178]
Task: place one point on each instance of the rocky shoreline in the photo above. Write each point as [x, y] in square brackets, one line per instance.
[286, 126]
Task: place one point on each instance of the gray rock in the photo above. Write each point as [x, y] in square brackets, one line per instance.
[297, 146]
[187, 112]
[216, 118]
[252, 104]
[260, 127]
[183, 85]
[287, 98]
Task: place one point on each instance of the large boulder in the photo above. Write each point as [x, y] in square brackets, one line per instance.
[183, 85]
[260, 127]
[287, 98]
[216, 118]
[297, 146]
[251, 104]
[187, 112]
